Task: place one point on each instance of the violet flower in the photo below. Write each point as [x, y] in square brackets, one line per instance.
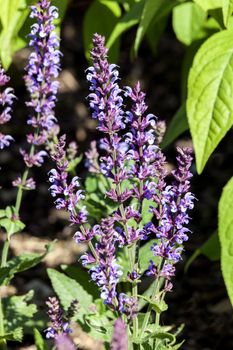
[42, 70]
[172, 230]
[63, 342]
[92, 159]
[106, 104]
[107, 272]
[128, 305]
[120, 337]
[67, 194]
[6, 101]
[59, 326]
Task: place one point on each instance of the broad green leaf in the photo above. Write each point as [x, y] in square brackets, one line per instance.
[153, 10]
[209, 4]
[210, 90]
[13, 15]
[16, 335]
[188, 20]
[129, 20]
[109, 12]
[79, 274]
[211, 249]
[20, 263]
[177, 126]
[68, 290]
[225, 226]
[39, 341]
[18, 310]
[154, 33]
[227, 9]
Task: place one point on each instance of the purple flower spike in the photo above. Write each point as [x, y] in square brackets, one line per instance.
[105, 100]
[41, 73]
[173, 217]
[68, 194]
[6, 100]
[59, 326]
[44, 65]
[106, 274]
[63, 342]
[142, 141]
[120, 337]
[106, 104]
[128, 306]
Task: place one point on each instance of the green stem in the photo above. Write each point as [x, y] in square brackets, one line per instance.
[5, 252]
[150, 306]
[3, 345]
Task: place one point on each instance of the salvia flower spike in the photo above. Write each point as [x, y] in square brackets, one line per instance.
[58, 325]
[6, 100]
[41, 74]
[132, 156]
[119, 338]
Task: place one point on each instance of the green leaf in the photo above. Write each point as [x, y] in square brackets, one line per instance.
[73, 163]
[18, 310]
[9, 222]
[209, 4]
[154, 33]
[151, 11]
[210, 90]
[145, 255]
[147, 215]
[16, 335]
[129, 20]
[225, 225]
[13, 15]
[109, 12]
[177, 126]
[227, 9]
[99, 327]
[20, 263]
[39, 341]
[188, 20]
[79, 274]
[158, 306]
[68, 290]
[211, 249]
[91, 184]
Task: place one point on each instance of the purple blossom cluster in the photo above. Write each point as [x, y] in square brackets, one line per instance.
[106, 103]
[120, 337]
[106, 271]
[136, 169]
[42, 70]
[6, 100]
[59, 326]
[63, 342]
[67, 194]
[143, 152]
[173, 218]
